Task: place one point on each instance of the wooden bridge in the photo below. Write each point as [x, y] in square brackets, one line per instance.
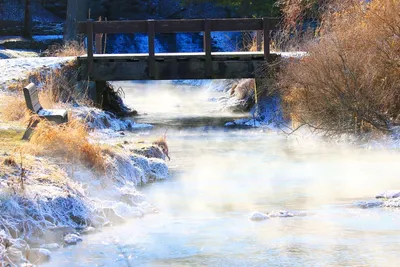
[99, 68]
[172, 66]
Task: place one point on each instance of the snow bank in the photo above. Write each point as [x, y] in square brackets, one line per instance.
[55, 204]
[17, 68]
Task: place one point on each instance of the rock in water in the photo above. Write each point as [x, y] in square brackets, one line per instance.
[38, 255]
[258, 216]
[281, 213]
[72, 239]
[392, 203]
[369, 204]
[51, 246]
[389, 194]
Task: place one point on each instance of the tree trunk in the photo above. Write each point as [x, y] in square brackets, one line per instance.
[77, 10]
[27, 30]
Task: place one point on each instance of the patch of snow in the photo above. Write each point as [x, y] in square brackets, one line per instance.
[18, 68]
[17, 53]
[292, 54]
[52, 112]
[102, 120]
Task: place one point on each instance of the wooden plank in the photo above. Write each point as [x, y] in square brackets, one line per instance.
[171, 69]
[207, 47]
[266, 30]
[125, 26]
[174, 26]
[232, 25]
[182, 25]
[151, 36]
[89, 34]
[138, 56]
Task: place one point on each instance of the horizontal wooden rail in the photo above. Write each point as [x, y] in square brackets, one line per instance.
[175, 26]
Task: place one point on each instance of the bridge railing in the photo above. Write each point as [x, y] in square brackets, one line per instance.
[262, 26]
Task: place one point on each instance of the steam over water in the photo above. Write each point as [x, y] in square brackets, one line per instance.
[219, 176]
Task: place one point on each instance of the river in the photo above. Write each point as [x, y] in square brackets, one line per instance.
[220, 175]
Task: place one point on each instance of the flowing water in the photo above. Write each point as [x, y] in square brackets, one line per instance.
[219, 176]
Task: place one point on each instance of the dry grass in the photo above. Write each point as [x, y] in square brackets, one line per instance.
[350, 82]
[70, 49]
[13, 109]
[55, 86]
[69, 141]
[60, 84]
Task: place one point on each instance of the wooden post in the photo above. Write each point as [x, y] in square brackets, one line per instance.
[89, 25]
[151, 37]
[266, 29]
[207, 48]
[259, 40]
[100, 86]
[99, 41]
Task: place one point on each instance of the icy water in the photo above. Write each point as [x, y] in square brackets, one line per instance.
[220, 176]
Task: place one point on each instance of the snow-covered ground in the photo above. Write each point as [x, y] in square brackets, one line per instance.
[17, 68]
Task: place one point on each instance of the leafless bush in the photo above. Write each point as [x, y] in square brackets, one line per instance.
[350, 81]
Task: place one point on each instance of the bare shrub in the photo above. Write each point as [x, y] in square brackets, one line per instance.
[350, 81]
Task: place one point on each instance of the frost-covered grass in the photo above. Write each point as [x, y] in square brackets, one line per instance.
[16, 69]
[43, 198]
[64, 179]
[69, 141]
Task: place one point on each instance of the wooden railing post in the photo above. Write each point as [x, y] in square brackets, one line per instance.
[99, 41]
[89, 25]
[151, 37]
[259, 40]
[207, 48]
[266, 29]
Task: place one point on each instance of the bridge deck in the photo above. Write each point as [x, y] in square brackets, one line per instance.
[170, 66]
[183, 54]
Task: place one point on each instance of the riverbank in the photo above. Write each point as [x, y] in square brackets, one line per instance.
[62, 193]
[66, 181]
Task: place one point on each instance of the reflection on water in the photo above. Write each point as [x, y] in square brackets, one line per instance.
[220, 176]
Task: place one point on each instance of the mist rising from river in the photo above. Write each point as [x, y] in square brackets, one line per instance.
[220, 175]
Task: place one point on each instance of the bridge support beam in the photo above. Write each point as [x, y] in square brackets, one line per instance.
[93, 90]
[100, 87]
